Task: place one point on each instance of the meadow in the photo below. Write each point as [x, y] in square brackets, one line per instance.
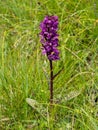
[24, 71]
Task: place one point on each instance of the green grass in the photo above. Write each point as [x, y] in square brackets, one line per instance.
[24, 70]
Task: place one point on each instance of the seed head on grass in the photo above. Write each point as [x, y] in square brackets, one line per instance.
[49, 37]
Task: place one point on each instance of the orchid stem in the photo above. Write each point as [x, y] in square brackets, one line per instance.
[51, 82]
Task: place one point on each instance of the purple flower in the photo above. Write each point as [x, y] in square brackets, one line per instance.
[49, 37]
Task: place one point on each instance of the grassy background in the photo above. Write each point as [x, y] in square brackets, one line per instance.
[24, 71]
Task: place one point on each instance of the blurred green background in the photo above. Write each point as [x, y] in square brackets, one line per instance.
[24, 71]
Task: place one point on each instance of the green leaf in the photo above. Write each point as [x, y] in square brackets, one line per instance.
[37, 106]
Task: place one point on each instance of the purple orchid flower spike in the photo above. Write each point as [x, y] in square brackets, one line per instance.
[49, 37]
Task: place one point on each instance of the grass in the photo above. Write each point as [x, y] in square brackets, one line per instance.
[24, 70]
